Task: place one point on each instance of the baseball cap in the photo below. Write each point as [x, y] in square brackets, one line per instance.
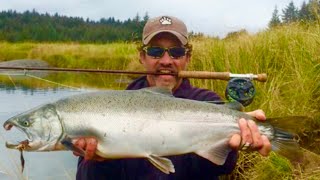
[169, 24]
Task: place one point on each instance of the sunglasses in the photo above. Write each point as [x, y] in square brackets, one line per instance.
[158, 52]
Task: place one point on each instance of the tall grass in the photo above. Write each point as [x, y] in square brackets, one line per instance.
[72, 55]
[291, 58]
[290, 55]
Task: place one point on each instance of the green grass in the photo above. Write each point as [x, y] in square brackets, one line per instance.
[291, 58]
[290, 55]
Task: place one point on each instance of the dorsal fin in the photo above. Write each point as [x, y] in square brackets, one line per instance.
[235, 105]
[217, 102]
[158, 90]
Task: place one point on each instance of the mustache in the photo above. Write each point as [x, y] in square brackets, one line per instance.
[167, 68]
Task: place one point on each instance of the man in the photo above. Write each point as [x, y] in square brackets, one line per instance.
[166, 49]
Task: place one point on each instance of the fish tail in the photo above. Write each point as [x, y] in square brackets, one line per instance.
[285, 144]
[286, 136]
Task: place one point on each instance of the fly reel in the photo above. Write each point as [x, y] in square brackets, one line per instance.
[241, 90]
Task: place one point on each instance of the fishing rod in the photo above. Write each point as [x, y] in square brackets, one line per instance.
[239, 88]
[182, 74]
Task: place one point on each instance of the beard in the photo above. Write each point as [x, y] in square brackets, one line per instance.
[166, 81]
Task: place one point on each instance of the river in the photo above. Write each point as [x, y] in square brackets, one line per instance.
[16, 98]
[38, 165]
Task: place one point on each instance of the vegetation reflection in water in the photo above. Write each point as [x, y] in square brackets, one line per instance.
[68, 80]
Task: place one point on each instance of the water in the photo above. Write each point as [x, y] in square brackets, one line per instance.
[38, 165]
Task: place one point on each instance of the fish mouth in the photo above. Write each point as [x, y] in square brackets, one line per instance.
[22, 145]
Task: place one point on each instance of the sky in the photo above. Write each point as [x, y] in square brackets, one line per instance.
[211, 17]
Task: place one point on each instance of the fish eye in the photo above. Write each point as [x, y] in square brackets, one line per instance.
[25, 123]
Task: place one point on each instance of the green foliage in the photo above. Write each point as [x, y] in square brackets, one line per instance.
[305, 12]
[275, 20]
[290, 13]
[308, 12]
[33, 26]
[272, 168]
[287, 54]
[290, 57]
[14, 51]
[236, 34]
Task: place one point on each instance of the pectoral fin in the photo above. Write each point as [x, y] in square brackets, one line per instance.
[216, 154]
[67, 143]
[163, 164]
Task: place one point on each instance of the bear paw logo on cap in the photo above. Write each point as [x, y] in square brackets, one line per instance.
[165, 20]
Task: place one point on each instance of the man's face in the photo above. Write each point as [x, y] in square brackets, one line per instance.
[165, 64]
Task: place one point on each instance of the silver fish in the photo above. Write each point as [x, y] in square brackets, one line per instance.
[148, 123]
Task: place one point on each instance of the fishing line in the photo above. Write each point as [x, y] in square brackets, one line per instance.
[12, 81]
[22, 160]
[4, 169]
[21, 153]
[56, 83]
[36, 77]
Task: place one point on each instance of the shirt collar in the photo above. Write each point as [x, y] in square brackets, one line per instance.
[183, 89]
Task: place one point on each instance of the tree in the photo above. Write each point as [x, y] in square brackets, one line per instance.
[304, 12]
[137, 18]
[33, 26]
[290, 13]
[275, 20]
[315, 10]
[146, 17]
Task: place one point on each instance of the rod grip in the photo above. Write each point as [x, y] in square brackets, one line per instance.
[220, 75]
[204, 75]
[262, 77]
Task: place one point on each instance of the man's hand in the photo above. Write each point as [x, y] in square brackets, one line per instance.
[250, 135]
[90, 147]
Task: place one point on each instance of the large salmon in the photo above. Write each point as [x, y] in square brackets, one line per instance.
[148, 123]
